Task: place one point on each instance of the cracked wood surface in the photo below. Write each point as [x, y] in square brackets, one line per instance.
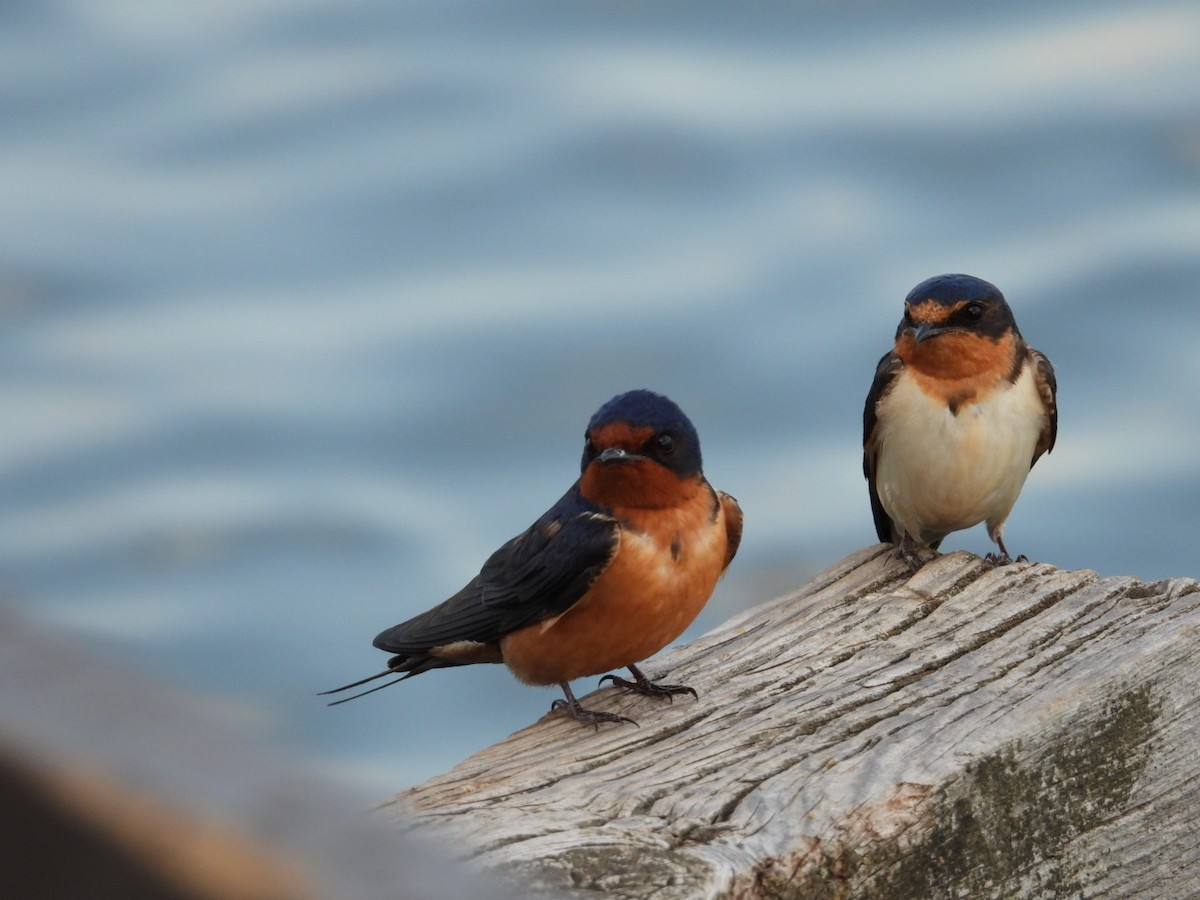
[1015, 731]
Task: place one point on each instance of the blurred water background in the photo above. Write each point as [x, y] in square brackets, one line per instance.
[304, 305]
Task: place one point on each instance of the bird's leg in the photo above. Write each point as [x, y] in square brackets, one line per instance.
[1002, 558]
[643, 685]
[913, 556]
[592, 717]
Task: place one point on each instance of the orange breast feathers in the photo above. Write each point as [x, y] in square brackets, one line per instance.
[958, 367]
[664, 571]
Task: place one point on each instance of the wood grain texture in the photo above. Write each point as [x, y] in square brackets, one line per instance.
[967, 731]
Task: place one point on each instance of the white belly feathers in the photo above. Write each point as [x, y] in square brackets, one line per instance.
[938, 472]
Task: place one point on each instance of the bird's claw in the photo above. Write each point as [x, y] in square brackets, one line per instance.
[641, 684]
[591, 717]
[648, 688]
[914, 556]
[1003, 559]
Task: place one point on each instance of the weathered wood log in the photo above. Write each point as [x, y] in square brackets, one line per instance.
[967, 731]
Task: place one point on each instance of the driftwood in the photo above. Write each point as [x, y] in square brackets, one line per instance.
[969, 731]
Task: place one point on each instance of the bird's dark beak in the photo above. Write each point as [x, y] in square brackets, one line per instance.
[617, 455]
[925, 330]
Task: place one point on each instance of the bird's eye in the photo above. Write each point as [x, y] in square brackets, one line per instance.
[665, 444]
[973, 311]
[589, 448]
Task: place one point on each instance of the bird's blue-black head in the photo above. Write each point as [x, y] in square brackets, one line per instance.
[636, 446]
[956, 303]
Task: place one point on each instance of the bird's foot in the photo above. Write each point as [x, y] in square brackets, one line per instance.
[913, 555]
[650, 688]
[643, 685]
[591, 717]
[1003, 559]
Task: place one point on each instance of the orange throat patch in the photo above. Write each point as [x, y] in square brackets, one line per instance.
[642, 484]
[959, 365]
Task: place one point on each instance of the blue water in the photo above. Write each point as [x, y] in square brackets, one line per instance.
[304, 305]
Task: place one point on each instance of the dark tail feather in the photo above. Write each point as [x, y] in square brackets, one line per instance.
[369, 690]
[408, 666]
[354, 684]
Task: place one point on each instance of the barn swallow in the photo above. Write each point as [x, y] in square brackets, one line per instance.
[609, 575]
[960, 410]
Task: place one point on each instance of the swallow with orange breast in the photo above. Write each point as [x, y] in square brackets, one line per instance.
[609, 575]
[960, 410]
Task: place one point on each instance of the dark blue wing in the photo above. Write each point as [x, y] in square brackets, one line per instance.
[885, 375]
[538, 574]
[1047, 386]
